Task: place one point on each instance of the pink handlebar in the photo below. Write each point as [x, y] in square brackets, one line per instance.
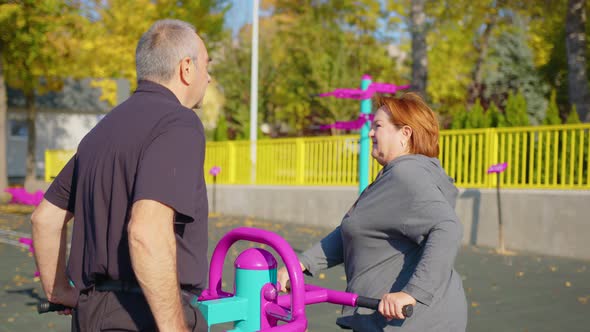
[315, 294]
[290, 307]
[281, 246]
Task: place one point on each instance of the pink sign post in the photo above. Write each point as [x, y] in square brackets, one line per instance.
[498, 169]
[214, 171]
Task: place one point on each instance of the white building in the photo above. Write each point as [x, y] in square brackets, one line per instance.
[63, 119]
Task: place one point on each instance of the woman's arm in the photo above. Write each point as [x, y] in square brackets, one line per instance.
[431, 222]
[434, 268]
[324, 254]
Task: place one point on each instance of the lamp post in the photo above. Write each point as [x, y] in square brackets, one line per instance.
[254, 91]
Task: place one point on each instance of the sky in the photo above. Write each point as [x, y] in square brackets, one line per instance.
[239, 14]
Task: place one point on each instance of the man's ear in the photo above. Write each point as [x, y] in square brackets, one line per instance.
[186, 66]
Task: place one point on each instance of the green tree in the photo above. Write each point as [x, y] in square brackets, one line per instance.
[6, 12]
[419, 46]
[516, 110]
[552, 113]
[308, 48]
[459, 117]
[114, 27]
[3, 133]
[38, 39]
[573, 116]
[575, 25]
[220, 132]
[494, 118]
[510, 67]
[45, 41]
[476, 117]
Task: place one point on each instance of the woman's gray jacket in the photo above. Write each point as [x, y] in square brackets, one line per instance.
[402, 234]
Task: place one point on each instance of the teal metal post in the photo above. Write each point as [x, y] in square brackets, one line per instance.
[255, 268]
[365, 141]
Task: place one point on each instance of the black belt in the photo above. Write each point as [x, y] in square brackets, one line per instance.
[125, 286]
[117, 286]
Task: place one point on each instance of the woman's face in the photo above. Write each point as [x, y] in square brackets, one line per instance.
[389, 142]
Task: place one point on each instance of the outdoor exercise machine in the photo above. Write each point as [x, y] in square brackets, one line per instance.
[364, 94]
[255, 304]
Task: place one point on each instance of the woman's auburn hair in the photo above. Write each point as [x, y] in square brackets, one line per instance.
[410, 110]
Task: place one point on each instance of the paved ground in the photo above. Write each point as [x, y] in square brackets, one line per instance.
[523, 292]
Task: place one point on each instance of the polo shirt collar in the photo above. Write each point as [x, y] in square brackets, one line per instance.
[153, 87]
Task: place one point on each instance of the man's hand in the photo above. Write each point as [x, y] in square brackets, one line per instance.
[283, 278]
[67, 296]
[391, 305]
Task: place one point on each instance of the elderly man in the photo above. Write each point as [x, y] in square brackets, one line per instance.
[136, 191]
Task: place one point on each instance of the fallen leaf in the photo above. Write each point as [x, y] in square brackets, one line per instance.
[553, 268]
[10, 320]
[520, 274]
[474, 304]
[322, 276]
[584, 299]
[568, 284]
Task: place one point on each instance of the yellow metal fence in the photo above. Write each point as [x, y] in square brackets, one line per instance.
[548, 157]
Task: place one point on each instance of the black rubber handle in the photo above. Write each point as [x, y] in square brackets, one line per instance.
[44, 307]
[367, 302]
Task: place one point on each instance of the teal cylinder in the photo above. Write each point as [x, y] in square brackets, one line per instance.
[365, 145]
[255, 267]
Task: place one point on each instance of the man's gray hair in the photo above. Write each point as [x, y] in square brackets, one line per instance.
[162, 47]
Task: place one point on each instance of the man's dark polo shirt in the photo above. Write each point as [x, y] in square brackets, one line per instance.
[149, 147]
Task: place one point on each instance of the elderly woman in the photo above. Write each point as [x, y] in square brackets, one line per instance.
[399, 240]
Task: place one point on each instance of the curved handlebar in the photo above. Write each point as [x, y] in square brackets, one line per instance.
[279, 244]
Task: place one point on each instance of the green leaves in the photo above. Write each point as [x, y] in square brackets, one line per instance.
[305, 49]
[552, 113]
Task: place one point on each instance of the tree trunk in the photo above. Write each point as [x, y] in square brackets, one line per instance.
[575, 40]
[419, 55]
[475, 89]
[3, 133]
[31, 137]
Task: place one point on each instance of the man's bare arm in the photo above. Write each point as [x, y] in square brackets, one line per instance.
[49, 224]
[152, 245]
